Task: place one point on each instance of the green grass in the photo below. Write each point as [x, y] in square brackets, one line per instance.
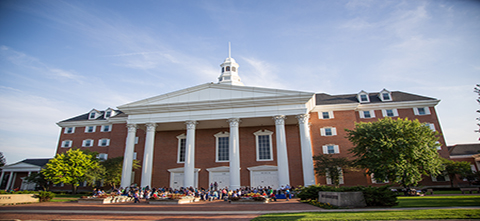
[378, 215]
[438, 201]
[63, 199]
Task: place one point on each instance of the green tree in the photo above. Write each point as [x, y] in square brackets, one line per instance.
[70, 168]
[453, 168]
[400, 150]
[3, 161]
[113, 170]
[38, 179]
[332, 167]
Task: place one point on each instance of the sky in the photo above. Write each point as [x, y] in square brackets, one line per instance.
[60, 59]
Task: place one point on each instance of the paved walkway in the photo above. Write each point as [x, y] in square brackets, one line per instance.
[217, 210]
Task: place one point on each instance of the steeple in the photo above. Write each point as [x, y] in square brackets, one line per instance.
[229, 73]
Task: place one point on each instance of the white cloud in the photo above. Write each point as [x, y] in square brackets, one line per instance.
[262, 74]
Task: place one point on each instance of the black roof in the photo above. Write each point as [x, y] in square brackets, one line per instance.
[37, 162]
[464, 149]
[397, 96]
[85, 116]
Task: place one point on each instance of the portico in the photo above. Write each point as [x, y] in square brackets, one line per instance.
[225, 107]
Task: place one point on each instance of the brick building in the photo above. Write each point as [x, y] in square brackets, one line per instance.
[237, 135]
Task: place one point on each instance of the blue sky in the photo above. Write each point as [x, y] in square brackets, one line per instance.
[60, 59]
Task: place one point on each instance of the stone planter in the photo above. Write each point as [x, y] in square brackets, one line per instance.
[7, 199]
[249, 201]
[173, 201]
[342, 199]
[115, 199]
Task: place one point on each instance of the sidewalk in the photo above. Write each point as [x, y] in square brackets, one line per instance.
[217, 210]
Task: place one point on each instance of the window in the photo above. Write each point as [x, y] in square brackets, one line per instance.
[104, 142]
[87, 143]
[390, 113]
[134, 155]
[363, 97]
[69, 130]
[331, 149]
[228, 68]
[441, 178]
[102, 156]
[90, 129]
[222, 141]
[325, 115]
[92, 115]
[264, 145]
[421, 111]
[182, 141]
[367, 114]
[340, 179]
[106, 128]
[328, 131]
[108, 114]
[385, 95]
[234, 69]
[377, 181]
[431, 126]
[67, 143]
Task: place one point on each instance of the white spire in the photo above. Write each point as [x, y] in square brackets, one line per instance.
[229, 73]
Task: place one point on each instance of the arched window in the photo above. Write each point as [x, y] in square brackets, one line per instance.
[234, 69]
[223, 69]
[228, 68]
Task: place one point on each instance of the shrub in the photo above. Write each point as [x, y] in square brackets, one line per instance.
[321, 205]
[44, 196]
[374, 196]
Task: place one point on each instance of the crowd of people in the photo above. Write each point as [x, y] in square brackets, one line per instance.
[210, 194]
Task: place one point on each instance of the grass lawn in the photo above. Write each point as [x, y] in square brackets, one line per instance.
[438, 201]
[379, 215]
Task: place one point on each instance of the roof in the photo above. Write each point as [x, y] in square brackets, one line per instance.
[397, 96]
[37, 162]
[464, 149]
[85, 117]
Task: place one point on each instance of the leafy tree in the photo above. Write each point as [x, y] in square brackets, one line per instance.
[113, 170]
[400, 150]
[3, 161]
[477, 90]
[38, 179]
[70, 168]
[328, 165]
[453, 168]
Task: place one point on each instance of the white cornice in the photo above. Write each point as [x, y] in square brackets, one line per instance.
[83, 123]
[376, 106]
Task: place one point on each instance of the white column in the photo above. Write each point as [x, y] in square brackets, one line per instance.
[128, 156]
[189, 169]
[282, 155]
[148, 156]
[1, 177]
[234, 153]
[306, 146]
[9, 183]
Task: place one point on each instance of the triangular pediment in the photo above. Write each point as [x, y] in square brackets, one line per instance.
[21, 166]
[217, 96]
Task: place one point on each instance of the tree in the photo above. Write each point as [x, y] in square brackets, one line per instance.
[400, 151]
[330, 166]
[477, 90]
[38, 179]
[70, 168]
[453, 168]
[113, 170]
[3, 161]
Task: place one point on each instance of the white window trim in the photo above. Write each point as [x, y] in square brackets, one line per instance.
[385, 91]
[94, 129]
[416, 112]
[102, 158]
[66, 130]
[362, 114]
[434, 179]
[69, 144]
[336, 149]
[431, 126]
[84, 142]
[217, 136]
[330, 115]
[323, 132]
[375, 181]
[100, 142]
[261, 133]
[340, 179]
[180, 137]
[97, 114]
[359, 97]
[395, 112]
[109, 128]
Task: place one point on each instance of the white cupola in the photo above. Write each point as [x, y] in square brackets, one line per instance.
[229, 73]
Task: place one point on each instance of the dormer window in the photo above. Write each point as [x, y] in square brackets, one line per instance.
[363, 97]
[385, 95]
[92, 115]
[108, 114]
